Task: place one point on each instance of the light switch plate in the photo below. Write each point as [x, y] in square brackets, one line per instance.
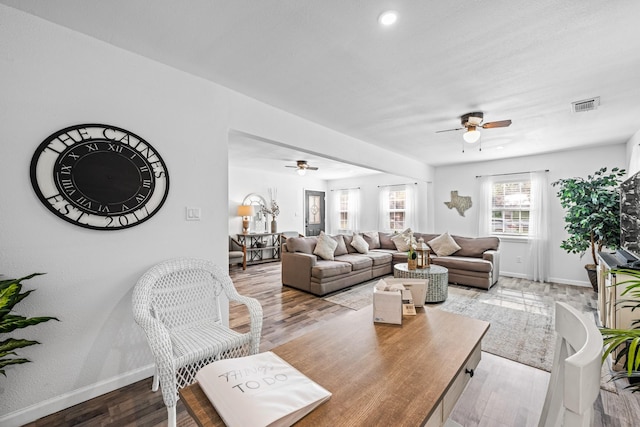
[193, 214]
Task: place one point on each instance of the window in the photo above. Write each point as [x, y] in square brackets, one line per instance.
[344, 210]
[397, 208]
[511, 208]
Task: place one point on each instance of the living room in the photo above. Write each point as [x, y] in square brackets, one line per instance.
[55, 76]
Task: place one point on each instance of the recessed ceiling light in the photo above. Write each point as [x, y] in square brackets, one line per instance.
[388, 18]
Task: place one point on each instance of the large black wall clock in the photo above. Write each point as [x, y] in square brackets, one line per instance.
[99, 176]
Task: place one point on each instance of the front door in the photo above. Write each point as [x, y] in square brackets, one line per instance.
[313, 212]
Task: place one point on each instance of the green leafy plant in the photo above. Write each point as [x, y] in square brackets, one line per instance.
[10, 295]
[625, 343]
[592, 211]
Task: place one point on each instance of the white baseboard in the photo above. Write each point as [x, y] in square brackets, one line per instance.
[64, 401]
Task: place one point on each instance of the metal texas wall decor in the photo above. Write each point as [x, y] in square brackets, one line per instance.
[460, 203]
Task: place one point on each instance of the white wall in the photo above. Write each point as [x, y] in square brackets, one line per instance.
[633, 154]
[52, 78]
[564, 267]
[290, 187]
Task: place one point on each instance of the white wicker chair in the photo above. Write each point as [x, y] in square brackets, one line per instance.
[176, 303]
[574, 385]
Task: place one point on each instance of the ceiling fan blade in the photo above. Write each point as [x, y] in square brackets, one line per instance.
[295, 167]
[448, 130]
[499, 124]
[311, 168]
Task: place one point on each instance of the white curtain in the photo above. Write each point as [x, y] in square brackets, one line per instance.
[411, 207]
[353, 211]
[484, 205]
[538, 228]
[383, 210]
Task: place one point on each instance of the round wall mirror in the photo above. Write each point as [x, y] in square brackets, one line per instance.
[258, 223]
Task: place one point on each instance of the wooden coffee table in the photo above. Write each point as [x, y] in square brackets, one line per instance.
[379, 374]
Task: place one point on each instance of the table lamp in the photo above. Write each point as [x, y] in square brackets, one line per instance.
[246, 212]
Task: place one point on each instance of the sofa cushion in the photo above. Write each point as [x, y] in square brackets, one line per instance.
[341, 249]
[444, 245]
[325, 269]
[372, 238]
[386, 242]
[359, 244]
[301, 244]
[464, 263]
[357, 261]
[347, 242]
[476, 246]
[325, 246]
[379, 257]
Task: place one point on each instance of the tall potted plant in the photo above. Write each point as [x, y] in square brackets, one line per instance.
[10, 295]
[592, 214]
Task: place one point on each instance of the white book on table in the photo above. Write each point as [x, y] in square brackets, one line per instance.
[259, 390]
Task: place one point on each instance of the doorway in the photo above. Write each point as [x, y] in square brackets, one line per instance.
[313, 212]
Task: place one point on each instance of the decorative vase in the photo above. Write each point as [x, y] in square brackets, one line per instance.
[274, 226]
[413, 263]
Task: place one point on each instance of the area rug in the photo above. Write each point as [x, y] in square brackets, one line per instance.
[521, 314]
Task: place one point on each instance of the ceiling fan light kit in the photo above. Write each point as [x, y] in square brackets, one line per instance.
[302, 167]
[388, 18]
[472, 135]
[471, 122]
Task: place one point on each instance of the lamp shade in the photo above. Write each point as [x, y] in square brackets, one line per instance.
[472, 135]
[245, 210]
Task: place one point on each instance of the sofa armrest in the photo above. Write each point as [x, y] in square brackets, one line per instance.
[494, 258]
[296, 269]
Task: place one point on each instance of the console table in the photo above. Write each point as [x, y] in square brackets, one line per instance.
[379, 374]
[438, 287]
[261, 247]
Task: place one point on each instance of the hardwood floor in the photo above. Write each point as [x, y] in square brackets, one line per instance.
[502, 393]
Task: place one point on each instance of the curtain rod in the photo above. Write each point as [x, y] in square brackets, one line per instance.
[395, 185]
[512, 173]
[340, 189]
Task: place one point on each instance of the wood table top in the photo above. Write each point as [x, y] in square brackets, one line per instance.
[379, 374]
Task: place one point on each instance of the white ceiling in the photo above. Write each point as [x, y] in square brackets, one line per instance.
[330, 62]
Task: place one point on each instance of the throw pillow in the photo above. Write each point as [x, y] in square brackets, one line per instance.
[401, 241]
[347, 242]
[404, 240]
[372, 238]
[341, 249]
[386, 242]
[444, 245]
[325, 247]
[360, 244]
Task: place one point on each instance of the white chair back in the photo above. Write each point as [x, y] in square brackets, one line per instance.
[574, 385]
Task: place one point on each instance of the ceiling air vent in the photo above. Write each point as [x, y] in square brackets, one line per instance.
[585, 105]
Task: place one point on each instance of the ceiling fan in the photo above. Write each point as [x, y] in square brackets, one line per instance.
[302, 167]
[472, 121]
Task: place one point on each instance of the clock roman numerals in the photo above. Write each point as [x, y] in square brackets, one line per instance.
[99, 176]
